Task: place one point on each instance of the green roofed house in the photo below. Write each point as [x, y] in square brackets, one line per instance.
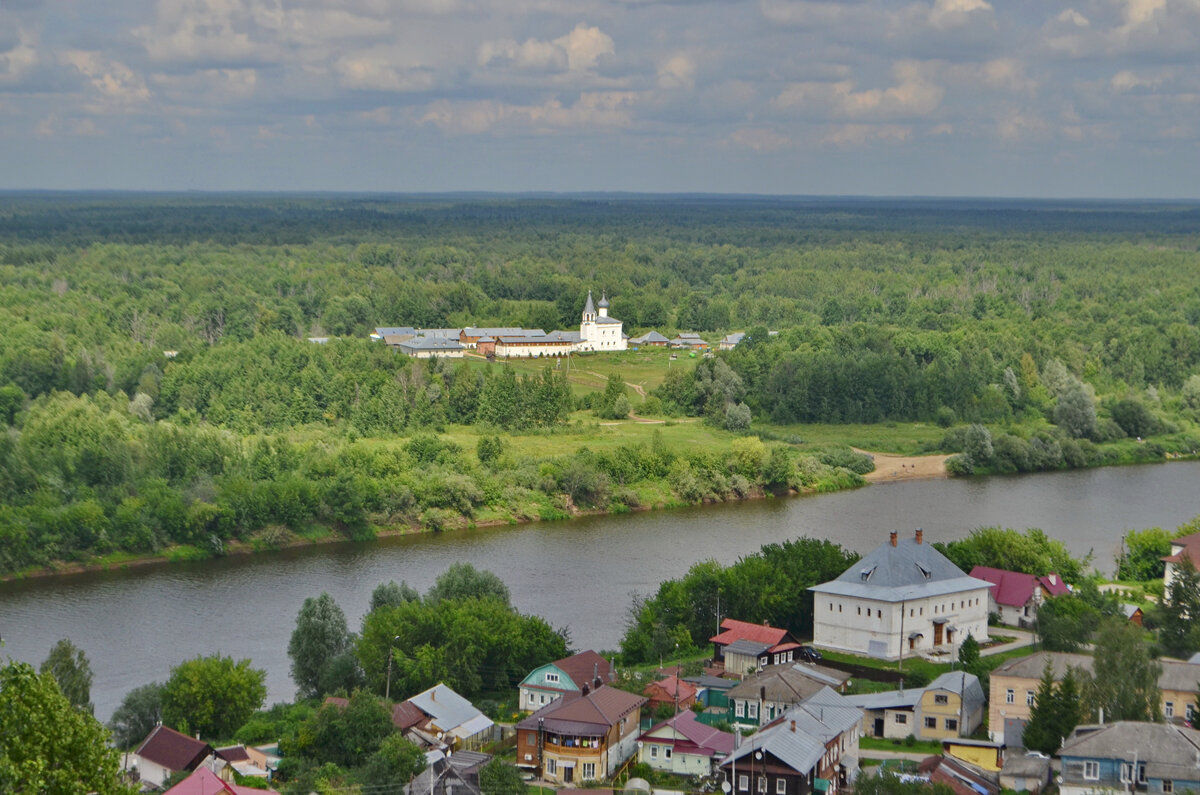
[568, 675]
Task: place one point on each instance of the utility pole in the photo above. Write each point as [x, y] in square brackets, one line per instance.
[387, 690]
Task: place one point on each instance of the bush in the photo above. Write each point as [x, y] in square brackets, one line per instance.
[945, 417]
[960, 465]
[858, 463]
[1134, 418]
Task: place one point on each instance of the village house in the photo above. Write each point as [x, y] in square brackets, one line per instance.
[1154, 758]
[469, 337]
[949, 706]
[742, 648]
[429, 347]
[904, 597]
[812, 748]
[165, 752]
[730, 341]
[961, 777]
[568, 675]
[1016, 596]
[689, 340]
[761, 698]
[578, 737]
[1182, 547]
[449, 773]
[712, 691]
[671, 691]
[203, 781]
[440, 718]
[684, 746]
[393, 335]
[651, 339]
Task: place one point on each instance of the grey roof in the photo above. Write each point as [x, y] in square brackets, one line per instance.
[589, 308]
[780, 684]
[603, 301]
[439, 332]
[650, 336]
[1025, 766]
[563, 336]
[529, 339]
[1031, 667]
[390, 331]
[964, 684]
[711, 682]
[826, 676]
[1129, 610]
[1169, 751]
[747, 648]
[448, 709]
[503, 331]
[431, 344]
[905, 571]
[734, 338]
[607, 320]
[1195, 658]
[1178, 675]
[888, 699]
[798, 738]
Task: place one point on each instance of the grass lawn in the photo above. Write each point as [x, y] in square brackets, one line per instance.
[589, 372]
[899, 438]
[916, 747]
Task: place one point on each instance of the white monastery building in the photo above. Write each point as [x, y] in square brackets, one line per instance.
[599, 332]
[904, 597]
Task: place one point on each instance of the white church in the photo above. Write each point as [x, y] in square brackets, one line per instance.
[598, 331]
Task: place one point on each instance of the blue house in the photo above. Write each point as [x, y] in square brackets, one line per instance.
[573, 674]
[1153, 758]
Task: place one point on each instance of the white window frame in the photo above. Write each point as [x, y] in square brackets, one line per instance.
[654, 752]
[762, 784]
[1091, 770]
[1169, 709]
[1009, 696]
[551, 678]
[1168, 785]
[951, 724]
[1030, 696]
[901, 718]
[588, 774]
[739, 709]
[667, 752]
[781, 786]
[752, 709]
[743, 783]
[1126, 772]
[551, 765]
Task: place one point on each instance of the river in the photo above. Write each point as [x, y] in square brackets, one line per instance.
[135, 624]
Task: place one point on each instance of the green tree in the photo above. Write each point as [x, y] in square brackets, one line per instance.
[1041, 732]
[396, 761]
[464, 581]
[1065, 623]
[345, 736]
[1125, 680]
[1179, 632]
[213, 695]
[1075, 411]
[977, 445]
[70, 668]
[391, 593]
[320, 649]
[1142, 553]
[47, 745]
[498, 777]
[489, 449]
[139, 712]
[12, 398]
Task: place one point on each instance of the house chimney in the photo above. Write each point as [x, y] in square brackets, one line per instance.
[585, 690]
[920, 533]
[893, 538]
[793, 727]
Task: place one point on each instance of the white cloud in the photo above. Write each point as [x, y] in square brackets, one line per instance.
[205, 30]
[18, 61]
[803, 13]
[1073, 17]
[592, 109]
[913, 95]
[948, 14]
[678, 71]
[383, 70]
[760, 139]
[849, 135]
[1126, 80]
[577, 51]
[116, 83]
[209, 86]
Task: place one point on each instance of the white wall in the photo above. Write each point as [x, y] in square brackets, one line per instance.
[851, 624]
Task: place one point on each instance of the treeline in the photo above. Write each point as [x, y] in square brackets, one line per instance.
[87, 476]
[767, 586]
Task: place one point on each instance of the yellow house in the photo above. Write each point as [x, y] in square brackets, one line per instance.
[950, 706]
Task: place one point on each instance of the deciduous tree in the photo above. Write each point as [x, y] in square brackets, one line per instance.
[70, 668]
[213, 695]
[320, 649]
[139, 712]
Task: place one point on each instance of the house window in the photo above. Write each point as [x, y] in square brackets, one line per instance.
[860, 611]
[739, 709]
[531, 739]
[762, 783]
[941, 700]
[542, 699]
[551, 766]
[1009, 696]
[901, 717]
[743, 783]
[753, 709]
[654, 752]
[589, 771]
[951, 724]
[839, 608]
[831, 607]
[1191, 712]
[1168, 785]
[666, 753]
[931, 723]
[1029, 698]
[1169, 709]
[1091, 770]
[781, 786]
[552, 679]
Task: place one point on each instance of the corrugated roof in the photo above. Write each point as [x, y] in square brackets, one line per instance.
[703, 736]
[206, 782]
[908, 570]
[734, 630]
[432, 344]
[966, 685]
[782, 684]
[1151, 742]
[798, 738]
[448, 709]
[584, 667]
[1014, 588]
[1031, 667]
[589, 715]
[888, 699]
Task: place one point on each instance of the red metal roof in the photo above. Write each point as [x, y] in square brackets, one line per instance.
[1191, 549]
[172, 750]
[1014, 589]
[206, 782]
[581, 667]
[671, 689]
[735, 630]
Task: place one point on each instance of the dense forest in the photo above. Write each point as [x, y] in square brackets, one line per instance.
[160, 393]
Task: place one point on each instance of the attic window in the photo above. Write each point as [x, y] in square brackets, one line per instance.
[926, 573]
[865, 574]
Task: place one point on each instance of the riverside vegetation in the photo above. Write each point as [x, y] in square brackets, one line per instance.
[1020, 337]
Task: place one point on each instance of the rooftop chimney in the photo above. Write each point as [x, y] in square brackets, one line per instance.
[585, 690]
[793, 727]
[893, 538]
[920, 533]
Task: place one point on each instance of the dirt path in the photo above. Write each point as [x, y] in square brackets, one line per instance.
[901, 467]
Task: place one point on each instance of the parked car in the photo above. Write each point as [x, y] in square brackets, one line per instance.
[808, 654]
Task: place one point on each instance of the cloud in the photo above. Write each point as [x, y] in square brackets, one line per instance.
[592, 109]
[579, 50]
[760, 139]
[117, 84]
[678, 71]
[853, 135]
[913, 95]
[208, 86]
[1125, 80]
[379, 71]
[19, 60]
[950, 14]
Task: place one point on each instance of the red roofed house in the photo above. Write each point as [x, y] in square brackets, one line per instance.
[1016, 596]
[1182, 547]
[742, 648]
[568, 675]
[671, 691]
[578, 737]
[684, 745]
[205, 782]
[166, 751]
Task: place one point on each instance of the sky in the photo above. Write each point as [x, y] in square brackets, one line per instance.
[1030, 98]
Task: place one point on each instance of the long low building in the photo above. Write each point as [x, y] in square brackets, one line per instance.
[556, 343]
[429, 347]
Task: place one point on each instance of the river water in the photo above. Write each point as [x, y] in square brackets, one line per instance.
[134, 625]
